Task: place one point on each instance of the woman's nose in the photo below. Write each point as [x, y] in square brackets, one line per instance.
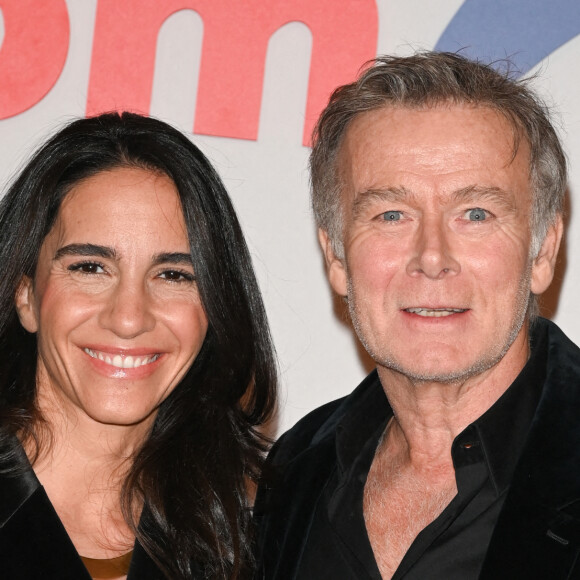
[127, 311]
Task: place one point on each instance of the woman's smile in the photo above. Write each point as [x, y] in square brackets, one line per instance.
[115, 297]
[122, 361]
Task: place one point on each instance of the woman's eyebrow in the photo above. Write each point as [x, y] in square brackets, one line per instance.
[85, 250]
[109, 253]
[173, 258]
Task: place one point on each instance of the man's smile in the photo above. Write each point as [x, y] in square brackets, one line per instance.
[435, 312]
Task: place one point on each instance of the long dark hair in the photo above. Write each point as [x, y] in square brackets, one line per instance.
[192, 472]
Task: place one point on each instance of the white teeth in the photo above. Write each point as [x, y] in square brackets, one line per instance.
[122, 362]
[435, 312]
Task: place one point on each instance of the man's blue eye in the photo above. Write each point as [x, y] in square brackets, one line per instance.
[477, 214]
[392, 216]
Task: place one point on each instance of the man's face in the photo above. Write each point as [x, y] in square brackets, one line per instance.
[436, 235]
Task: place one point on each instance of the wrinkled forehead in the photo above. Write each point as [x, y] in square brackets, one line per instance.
[429, 141]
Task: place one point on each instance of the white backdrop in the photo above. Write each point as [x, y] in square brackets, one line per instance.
[268, 180]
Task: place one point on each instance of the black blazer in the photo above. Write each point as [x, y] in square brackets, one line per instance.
[537, 535]
[34, 544]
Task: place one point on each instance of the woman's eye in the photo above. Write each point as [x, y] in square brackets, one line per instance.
[476, 214]
[87, 268]
[176, 276]
[392, 216]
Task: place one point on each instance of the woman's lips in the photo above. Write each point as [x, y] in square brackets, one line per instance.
[122, 361]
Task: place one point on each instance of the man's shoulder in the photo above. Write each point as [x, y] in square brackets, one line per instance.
[563, 353]
[319, 426]
[305, 432]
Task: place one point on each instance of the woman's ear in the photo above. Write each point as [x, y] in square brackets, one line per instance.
[25, 304]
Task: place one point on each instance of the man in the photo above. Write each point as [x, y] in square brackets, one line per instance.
[438, 188]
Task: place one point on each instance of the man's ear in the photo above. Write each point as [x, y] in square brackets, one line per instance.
[334, 266]
[544, 263]
[25, 304]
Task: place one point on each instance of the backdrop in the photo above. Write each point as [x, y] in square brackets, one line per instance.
[246, 80]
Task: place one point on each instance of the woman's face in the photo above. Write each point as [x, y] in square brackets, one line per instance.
[114, 301]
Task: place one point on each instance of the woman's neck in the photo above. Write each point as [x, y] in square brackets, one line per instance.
[83, 471]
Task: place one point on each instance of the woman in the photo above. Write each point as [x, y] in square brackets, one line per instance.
[135, 361]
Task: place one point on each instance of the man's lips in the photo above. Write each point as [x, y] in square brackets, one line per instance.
[122, 361]
[435, 312]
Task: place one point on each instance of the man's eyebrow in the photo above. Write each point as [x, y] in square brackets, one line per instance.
[370, 196]
[85, 250]
[478, 193]
[173, 258]
[469, 194]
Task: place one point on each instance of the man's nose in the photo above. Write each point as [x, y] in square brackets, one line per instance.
[128, 310]
[432, 253]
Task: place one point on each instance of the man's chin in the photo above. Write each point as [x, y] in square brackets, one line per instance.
[439, 373]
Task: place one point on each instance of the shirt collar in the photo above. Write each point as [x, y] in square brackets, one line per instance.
[503, 428]
[500, 432]
[368, 414]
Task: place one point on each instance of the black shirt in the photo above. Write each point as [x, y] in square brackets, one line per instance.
[453, 546]
[536, 534]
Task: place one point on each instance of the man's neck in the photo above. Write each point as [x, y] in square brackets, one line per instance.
[428, 415]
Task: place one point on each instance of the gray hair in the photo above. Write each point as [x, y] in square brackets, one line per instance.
[427, 79]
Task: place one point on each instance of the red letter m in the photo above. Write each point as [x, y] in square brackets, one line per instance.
[236, 35]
